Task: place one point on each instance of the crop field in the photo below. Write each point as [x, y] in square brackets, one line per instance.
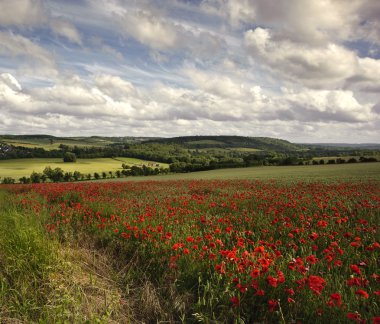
[24, 167]
[333, 172]
[243, 251]
[46, 144]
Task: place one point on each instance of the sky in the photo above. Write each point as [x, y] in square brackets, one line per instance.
[304, 71]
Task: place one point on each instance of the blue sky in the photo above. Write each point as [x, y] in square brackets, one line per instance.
[305, 71]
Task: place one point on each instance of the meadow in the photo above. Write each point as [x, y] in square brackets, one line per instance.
[233, 251]
[17, 168]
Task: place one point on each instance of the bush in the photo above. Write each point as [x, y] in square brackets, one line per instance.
[69, 157]
[8, 180]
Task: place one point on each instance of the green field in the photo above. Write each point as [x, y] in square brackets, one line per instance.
[46, 144]
[357, 171]
[205, 142]
[24, 167]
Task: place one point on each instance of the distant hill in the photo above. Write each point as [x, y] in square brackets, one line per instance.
[260, 143]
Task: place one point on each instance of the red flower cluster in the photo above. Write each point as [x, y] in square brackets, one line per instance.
[312, 245]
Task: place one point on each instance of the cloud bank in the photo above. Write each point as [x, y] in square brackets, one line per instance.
[306, 71]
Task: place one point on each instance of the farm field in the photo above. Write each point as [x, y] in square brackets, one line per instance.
[239, 251]
[46, 144]
[358, 171]
[24, 167]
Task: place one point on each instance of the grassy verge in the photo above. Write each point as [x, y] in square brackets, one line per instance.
[42, 280]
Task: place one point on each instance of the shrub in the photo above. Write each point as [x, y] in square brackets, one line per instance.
[69, 157]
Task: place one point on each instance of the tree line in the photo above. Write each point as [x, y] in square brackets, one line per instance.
[58, 175]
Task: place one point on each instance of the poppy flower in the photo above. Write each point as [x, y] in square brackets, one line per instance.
[362, 293]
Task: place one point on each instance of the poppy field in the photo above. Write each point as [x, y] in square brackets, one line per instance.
[230, 250]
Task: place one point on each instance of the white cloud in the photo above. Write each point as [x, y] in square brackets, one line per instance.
[213, 68]
[114, 86]
[21, 47]
[34, 13]
[10, 81]
[367, 78]
[312, 21]
[150, 30]
[324, 105]
[22, 12]
[237, 12]
[64, 28]
[326, 66]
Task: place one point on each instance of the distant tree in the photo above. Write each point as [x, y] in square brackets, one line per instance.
[88, 176]
[352, 160]
[69, 157]
[314, 162]
[110, 173]
[321, 161]
[331, 161]
[96, 175]
[77, 175]
[24, 180]
[340, 160]
[64, 147]
[104, 175]
[68, 176]
[43, 177]
[8, 180]
[118, 173]
[55, 175]
[35, 177]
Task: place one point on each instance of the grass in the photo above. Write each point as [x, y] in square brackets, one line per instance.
[245, 149]
[357, 171]
[24, 167]
[45, 281]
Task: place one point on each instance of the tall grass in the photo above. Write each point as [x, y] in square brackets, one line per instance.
[26, 258]
[45, 281]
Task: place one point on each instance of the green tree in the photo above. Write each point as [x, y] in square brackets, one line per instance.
[69, 157]
[8, 180]
[68, 176]
[55, 175]
[35, 177]
[77, 175]
[24, 180]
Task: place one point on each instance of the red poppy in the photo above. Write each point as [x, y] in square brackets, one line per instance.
[362, 293]
[272, 305]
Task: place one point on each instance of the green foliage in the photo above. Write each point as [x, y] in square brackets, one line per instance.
[26, 259]
[8, 180]
[55, 175]
[37, 177]
[69, 157]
